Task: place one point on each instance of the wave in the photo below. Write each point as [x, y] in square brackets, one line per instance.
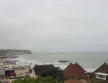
[26, 61]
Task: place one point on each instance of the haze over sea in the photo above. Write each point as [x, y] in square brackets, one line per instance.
[89, 61]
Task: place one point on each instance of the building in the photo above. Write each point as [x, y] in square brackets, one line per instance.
[22, 72]
[75, 72]
[9, 73]
[32, 74]
[1, 63]
[48, 70]
[40, 69]
[1, 74]
[102, 72]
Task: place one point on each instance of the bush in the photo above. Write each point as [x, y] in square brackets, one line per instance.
[36, 80]
[55, 73]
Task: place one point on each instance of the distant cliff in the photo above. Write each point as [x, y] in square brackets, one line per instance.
[14, 52]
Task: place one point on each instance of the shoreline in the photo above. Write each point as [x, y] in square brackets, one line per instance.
[23, 62]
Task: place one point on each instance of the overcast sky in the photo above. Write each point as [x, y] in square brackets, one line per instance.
[54, 25]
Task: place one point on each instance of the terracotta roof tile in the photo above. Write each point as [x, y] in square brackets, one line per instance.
[74, 71]
[103, 68]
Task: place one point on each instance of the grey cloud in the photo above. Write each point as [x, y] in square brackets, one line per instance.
[54, 25]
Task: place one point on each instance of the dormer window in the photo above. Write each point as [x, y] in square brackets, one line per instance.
[101, 76]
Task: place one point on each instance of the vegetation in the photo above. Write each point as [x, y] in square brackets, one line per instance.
[36, 80]
[55, 73]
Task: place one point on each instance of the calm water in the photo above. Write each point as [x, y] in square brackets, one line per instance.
[86, 60]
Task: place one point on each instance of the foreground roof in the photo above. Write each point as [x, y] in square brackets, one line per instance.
[40, 69]
[102, 69]
[74, 71]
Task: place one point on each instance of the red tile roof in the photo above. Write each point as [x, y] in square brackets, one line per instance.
[74, 71]
[103, 68]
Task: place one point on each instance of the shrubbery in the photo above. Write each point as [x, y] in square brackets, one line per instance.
[36, 80]
[55, 73]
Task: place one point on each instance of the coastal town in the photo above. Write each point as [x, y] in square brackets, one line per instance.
[53, 41]
[73, 73]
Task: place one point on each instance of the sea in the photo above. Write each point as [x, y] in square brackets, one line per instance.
[89, 61]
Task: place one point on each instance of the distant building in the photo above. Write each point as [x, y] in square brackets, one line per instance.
[9, 73]
[74, 72]
[22, 72]
[1, 74]
[19, 72]
[102, 72]
[1, 63]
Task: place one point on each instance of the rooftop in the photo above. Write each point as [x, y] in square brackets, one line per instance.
[75, 71]
[102, 69]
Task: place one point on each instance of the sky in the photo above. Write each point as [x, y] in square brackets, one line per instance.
[54, 25]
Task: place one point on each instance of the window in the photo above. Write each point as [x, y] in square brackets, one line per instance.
[103, 77]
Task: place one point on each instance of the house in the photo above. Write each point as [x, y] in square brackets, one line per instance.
[22, 72]
[75, 72]
[1, 74]
[1, 62]
[19, 72]
[102, 72]
[40, 69]
[48, 70]
[9, 73]
[32, 74]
